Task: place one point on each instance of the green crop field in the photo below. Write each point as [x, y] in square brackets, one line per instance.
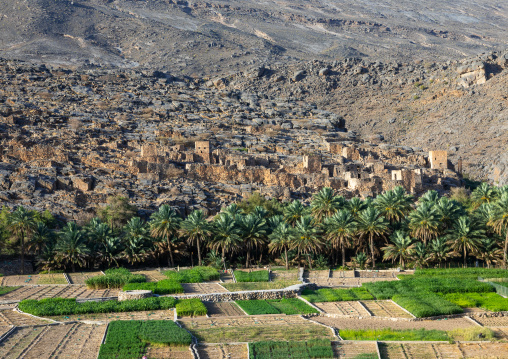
[287, 306]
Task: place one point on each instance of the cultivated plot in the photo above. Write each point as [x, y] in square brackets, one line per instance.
[48, 291]
[492, 321]
[443, 350]
[10, 317]
[108, 317]
[385, 308]
[255, 328]
[223, 309]
[284, 275]
[202, 288]
[351, 350]
[81, 277]
[75, 340]
[345, 308]
[173, 352]
[222, 351]
[151, 275]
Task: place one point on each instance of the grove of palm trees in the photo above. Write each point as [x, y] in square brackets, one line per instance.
[393, 230]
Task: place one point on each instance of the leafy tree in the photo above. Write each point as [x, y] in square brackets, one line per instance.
[423, 222]
[307, 237]
[21, 223]
[71, 246]
[197, 230]
[325, 204]
[401, 248]
[340, 230]
[226, 235]
[164, 224]
[372, 224]
[281, 240]
[117, 211]
[466, 235]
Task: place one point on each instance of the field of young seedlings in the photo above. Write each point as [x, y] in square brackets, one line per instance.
[223, 309]
[254, 286]
[317, 348]
[56, 291]
[253, 276]
[286, 306]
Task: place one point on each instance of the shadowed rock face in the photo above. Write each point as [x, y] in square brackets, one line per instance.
[218, 36]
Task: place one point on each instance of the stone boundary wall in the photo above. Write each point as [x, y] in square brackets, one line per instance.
[232, 296]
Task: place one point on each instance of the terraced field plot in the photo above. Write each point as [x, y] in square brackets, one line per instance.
[255, 328]
[351, 350]
[379, 323]
[173, 352]
[108, 317]
[253, 286]
[223, 309]
[80, 278]
[10, 317]
[493, 321]
[54, 341]
[202, 288]
[284, 275]
[16, 280]
[56, 278]
[50, 291]
[385, 308]
[443, 350]
[151, 275]
[223, 351]
[345, 308]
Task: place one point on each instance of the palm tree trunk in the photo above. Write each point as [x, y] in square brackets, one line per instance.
[248, 259]
[199, 252]
[464, 256]
[170, 262]
[286, 256]
[22, 252]
[73, 267]
[223, 255]
[505, 247]
[371, 240]
[343, 256]
[310, 262]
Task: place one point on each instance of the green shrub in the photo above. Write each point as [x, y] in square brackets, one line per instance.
[391, 334]
[166, 286]
[254, 276]
[194, 275]
[127, 339]
[426, 304]
[69, 306]
[190, 308]
[114, 278]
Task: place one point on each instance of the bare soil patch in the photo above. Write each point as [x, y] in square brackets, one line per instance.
[346, 308]
[378, 323]
[223, 309]
[49, 291]
[385, 308]
[108, 317]
[169, 352]
[151, 275]
[202, 288]
[285, 275]
[493, 321]
[350, 350]
[443, 350]
[54, 341]
[10, 317]
[223, 351]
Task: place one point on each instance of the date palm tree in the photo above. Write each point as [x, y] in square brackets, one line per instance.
[340, 230]
[294, 211]
[401, 248]
[439, 250]
[420, 255]
[447, 212]
[430, 197]
[109, 250]
[136, 240]
[197, 230]
[254, 231]
[325, 204]
[355, 205]
[233, 210]
[490, 251]
[393, 205]
[484, 193]
[423, 222]
[466, 235]
[307, 237]
[499, 221]
[41, 237]
[372, 224]
[281, 240]
[164, 224]
[226, 234]
[71, 246]
[21, 223]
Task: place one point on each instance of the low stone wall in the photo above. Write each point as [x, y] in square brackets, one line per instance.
[134, 294]
[232, 296]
